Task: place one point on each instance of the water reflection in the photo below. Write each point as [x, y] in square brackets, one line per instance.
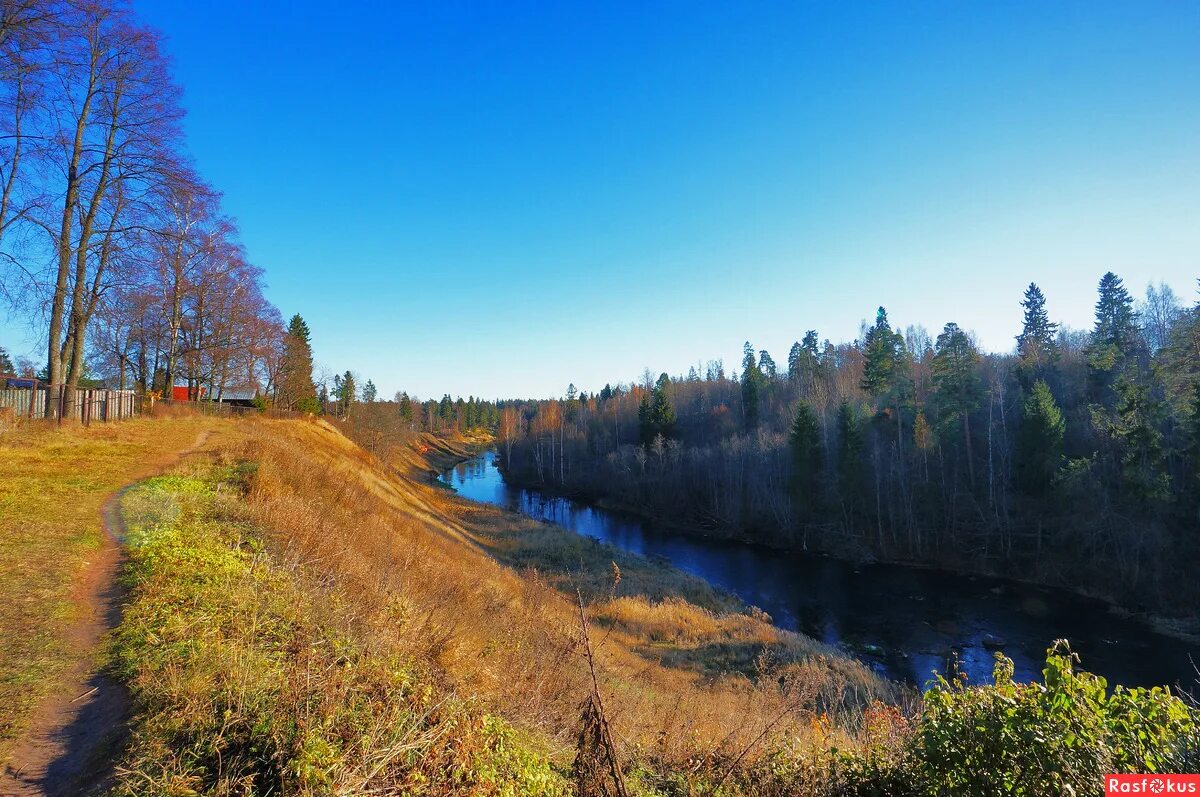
[906, 622]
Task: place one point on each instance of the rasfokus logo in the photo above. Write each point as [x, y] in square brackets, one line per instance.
[1152, 784]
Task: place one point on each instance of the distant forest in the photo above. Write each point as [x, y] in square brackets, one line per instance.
[1072, 460]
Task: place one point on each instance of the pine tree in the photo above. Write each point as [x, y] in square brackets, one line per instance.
[956, 382]
[6, 363]
[804, 443]
[766, 364]
[793, 362]
[1040, 440]
[295, 389]
[406, 408]
[369, 392]
[1036, 349]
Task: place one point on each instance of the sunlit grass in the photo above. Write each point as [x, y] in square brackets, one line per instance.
[53, 483]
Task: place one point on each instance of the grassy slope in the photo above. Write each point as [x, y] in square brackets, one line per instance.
[303, 620]
[53, 483]
[477, 605]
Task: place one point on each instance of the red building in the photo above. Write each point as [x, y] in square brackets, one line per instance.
[180, 393]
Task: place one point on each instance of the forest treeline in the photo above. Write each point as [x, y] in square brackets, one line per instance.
[1074, 459]
[111, 243]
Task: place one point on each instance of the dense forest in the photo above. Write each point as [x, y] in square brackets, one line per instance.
[1074, 459]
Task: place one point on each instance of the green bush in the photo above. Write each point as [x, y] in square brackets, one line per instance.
[1060, 736]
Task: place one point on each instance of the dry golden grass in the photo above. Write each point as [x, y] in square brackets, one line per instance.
[488, 598]
[53, 482]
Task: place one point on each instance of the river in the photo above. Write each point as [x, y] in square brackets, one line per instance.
[903, 621]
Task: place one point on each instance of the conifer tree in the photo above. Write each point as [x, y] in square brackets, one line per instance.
[1191, 450]
[346, 393]
[369, 392]
[793, 362]
[1134, 426]
[1040, 440]
[850, 456]
[882, 350]
[295, 389]
[1114, 338]
[804, 443]
[1036, 349]
[656, 416]
[1116, 322]
[406, 408]
[766, 364]
[956, 382]
[6, 363]
[751, 387]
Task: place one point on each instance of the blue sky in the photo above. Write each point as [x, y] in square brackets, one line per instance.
[501, 198]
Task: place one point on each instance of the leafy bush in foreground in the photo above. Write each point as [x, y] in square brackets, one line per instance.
[1060, 736]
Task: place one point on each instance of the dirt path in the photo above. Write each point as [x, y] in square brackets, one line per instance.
[68, 749]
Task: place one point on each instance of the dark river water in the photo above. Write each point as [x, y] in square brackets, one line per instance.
[903, 621]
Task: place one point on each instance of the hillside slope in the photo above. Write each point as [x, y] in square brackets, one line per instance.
[477, 606]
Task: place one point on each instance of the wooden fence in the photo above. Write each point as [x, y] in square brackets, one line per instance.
[27, 398]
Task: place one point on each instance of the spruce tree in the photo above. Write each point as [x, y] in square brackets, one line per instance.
[1036, 349]
[656, 416]
[1192, 451]
[295, 389]
[881, 351]
[406, 408]
[850, 456]
[751, 387]
[6, 363]
[1116, 322]
[1040, 440]
[369, 392]
[346, 393]
[956, 382]
[1114, 339]
[804, 443]
[1134, 427]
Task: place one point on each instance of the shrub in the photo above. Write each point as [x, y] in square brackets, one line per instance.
[1060, 736]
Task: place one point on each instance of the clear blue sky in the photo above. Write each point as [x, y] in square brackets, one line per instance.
[501, 198]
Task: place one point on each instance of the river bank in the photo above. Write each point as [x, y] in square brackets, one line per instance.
[908, 621]
[1184, 628]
